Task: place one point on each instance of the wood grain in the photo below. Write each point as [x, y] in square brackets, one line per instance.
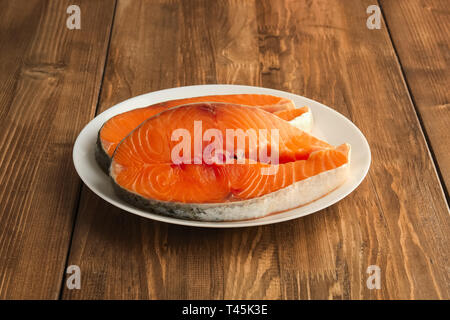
[420, 31]
[397, 219]
[49, 84]
[393, 220]
[184, 55]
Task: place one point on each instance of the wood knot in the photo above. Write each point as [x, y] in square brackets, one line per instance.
[40, 71]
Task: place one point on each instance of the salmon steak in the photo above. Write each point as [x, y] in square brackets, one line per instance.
[222, 162]
[119, 126]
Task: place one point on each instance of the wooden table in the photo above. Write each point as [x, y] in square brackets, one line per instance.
[392, 82]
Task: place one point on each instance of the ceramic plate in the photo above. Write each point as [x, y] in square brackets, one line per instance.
[329, 125]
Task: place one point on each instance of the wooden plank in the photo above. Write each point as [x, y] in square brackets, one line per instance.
[420, 32]
[49, 85]
[397, 219]
[184, 43]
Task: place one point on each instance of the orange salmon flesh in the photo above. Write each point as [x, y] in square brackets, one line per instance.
[119, 126]
[143, 163]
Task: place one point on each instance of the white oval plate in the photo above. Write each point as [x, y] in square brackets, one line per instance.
[328, 125]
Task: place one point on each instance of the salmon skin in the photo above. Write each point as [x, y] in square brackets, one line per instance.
[119, 126]
[145, 174]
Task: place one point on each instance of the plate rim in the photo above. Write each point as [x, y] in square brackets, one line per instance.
[111, 111]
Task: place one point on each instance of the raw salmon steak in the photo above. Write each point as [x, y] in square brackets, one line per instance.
[222, 162]
[119, 126]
